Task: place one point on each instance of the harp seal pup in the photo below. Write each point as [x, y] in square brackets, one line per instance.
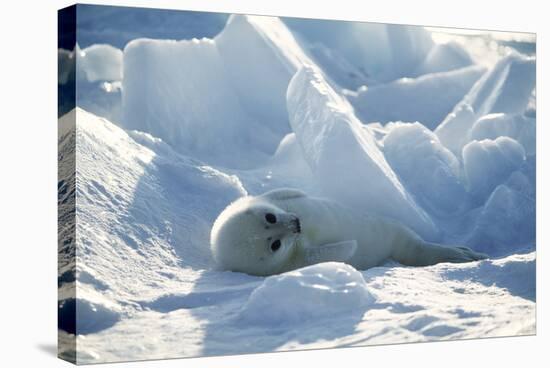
[285, 229]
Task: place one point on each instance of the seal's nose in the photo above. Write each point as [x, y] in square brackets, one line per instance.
[297, 225]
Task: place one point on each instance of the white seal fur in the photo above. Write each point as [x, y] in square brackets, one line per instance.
[285, 229]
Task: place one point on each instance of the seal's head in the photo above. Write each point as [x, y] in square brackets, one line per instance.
[254, 236]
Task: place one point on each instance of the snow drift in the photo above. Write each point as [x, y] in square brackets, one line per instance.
[137, 188]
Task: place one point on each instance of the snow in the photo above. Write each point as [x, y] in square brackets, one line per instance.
[92, 317]
[168, 131]
[128, 229]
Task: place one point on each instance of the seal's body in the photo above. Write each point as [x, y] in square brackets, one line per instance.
[285, 229]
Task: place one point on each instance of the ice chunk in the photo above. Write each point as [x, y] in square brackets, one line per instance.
[504, 89]
[488, 163]
[344, 156]
[531, 110]
[98, 70]
[99, 63]
[444, 57]
[119, 25]
[507, 222]
[454, 132]
[518, 126]
[261, 56]
[66, 75]
[289, 166]
[427, 99]
[307, 294]
[358, 53]
[65, 66]
[337, 67]
[102, 99]
[426, 168]
[220, 100]
[179, 92]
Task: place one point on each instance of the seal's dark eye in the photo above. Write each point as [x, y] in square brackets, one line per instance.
[270, 218]
[275, 245]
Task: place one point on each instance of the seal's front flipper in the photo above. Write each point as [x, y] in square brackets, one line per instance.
[335, 252]
[284, 193]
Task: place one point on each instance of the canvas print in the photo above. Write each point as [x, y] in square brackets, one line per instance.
[233, 184]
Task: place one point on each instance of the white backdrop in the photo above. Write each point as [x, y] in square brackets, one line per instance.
[29, 162]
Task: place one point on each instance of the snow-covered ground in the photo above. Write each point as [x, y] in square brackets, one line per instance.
[380, 117]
